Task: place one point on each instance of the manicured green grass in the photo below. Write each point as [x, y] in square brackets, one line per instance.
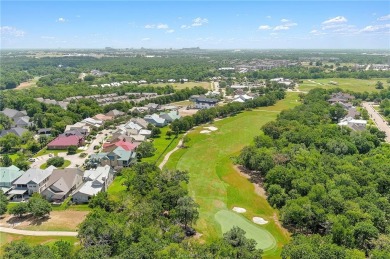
[351, 84]
[228, 219]
[66, 164]
[116, 189]
[163, 146]
[33, 240]
[214, 182]
[13, 157]
[45, 151]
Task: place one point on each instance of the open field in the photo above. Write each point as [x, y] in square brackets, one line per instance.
[350, 84]
[217, 186]
[67, 220]
[28, 84]
[33, 240]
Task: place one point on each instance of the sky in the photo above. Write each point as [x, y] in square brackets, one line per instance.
[204, 24]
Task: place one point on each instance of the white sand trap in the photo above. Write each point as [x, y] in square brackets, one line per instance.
[259, 220]
[239, 210]
[205, 131]
[211, 128]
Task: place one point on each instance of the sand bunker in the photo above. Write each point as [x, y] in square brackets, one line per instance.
[211, 128]
[259, 220]
[239, 210]
[205, 131]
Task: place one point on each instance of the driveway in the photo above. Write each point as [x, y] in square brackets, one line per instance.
[379, 121]
[75, 160]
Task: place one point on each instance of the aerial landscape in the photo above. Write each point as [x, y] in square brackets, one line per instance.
[195, 129]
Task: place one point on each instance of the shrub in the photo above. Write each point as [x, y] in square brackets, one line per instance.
[55, 161]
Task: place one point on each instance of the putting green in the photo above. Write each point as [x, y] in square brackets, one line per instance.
[228, 219]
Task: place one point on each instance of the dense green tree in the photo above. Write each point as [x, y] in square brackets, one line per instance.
[186, 211]
[19, 209]
[56, 161]
[146, 149]
[3, 203]
[6, 161]
[38, 206]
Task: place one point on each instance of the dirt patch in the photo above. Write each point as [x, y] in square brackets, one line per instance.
[67, 220]
[184, 112]
[277, 223]
[256, 181]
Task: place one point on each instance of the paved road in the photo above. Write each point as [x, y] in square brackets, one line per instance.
[378, 119]
[171, 152]
[75, 160]
[37, 233]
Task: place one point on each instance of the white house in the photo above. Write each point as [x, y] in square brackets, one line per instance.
[33, 180]
[357, 125]
[95, 181]
[205, 103]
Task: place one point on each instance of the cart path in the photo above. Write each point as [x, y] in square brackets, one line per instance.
[166, 158]
[37, 233]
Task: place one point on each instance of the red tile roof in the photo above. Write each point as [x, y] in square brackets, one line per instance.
[65, 141]
[128, 146]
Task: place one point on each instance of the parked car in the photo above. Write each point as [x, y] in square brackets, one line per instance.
[50, 155]
[31, 159]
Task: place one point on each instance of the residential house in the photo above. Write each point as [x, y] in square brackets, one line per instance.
[242, 98]
[44, 131]
[20, 118]
[356, 125]
[128, 146]
[155, 120]
[119, 157]
[115, 113]
[34, 180]
[92, 122]
[17, 131]
[205, 103]
[152, 107]
[61, 183]
[8, 176]
[80, 127]
[138, 138]
[170, 116]
[66, 140]
[102, 117]
[144, 132]
[95, 181]
[341, 98]
[141, 122]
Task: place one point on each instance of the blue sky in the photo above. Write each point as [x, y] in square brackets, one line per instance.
[205, 24]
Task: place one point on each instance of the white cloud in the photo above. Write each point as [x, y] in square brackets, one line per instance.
[268, 17]
[162, 26]
[265, 27]
[384, 18]
[150, 26]
[314, 31]
[47, 37]
[337, 19]
[199, 21]
[284, 20]
[377, 28]
[290, 24]
[281, 28]
[61, 19]
[11, 32]
[145, 39]
[170, 31]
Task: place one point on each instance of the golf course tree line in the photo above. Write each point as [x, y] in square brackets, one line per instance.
[150, 217]
[208, 115]
[331, 184]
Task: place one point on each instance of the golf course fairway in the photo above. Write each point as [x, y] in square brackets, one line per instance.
[216, 185]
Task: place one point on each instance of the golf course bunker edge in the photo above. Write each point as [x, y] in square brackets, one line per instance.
[228, 219]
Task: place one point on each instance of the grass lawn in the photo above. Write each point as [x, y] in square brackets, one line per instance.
[33, 240]
[351, 84]
[66, 164]
[45, 151]
[163, 146]
[228, 219]
[13, 157]
[116, 189]
[214, 182]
